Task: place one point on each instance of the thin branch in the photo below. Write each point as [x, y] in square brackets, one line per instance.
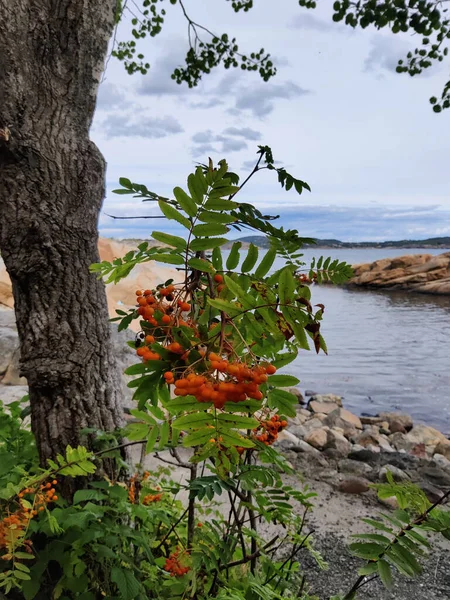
[139, 217]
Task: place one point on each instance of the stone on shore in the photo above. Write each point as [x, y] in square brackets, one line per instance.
[345, 420]
[317, 438]
[443, 448]
[397, 474]
[397, 418]
[353, 485]
[423, 273]
[336, 441]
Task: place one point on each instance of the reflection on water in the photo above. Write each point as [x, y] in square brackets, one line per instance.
[387, 351]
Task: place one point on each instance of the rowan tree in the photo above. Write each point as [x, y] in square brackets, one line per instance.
[52, 55]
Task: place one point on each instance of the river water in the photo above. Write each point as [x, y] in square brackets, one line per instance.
[387, 350]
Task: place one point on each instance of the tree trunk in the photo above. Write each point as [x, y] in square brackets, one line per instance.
[52, 54]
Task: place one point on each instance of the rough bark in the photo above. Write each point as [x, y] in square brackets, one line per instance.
[52, 54]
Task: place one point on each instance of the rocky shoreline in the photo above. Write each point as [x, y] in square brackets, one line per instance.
[350, 452]
[424, 273]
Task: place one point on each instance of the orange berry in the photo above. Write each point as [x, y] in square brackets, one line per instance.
[148, 293]
[270, 370]
[181, 383]
[185, 306]
[141, 351]
[149, 339]
[55, 498]
[142, 301]
[166, 319]
[168, 375]
[138, 292]
[212, 441]
[218, 278]
[220, 287]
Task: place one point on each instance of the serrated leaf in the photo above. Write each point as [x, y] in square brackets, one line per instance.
[369, 550]
[126, 183]
[220, 204]
[193, 421]
[170, 240]
[385, 573]
[368, 569]
[233, 438]
[284, 359]
[221, 191]
[283, 380]
[246, 300]
[129, 587]
[185, 201]
[217, 259]
[151, 440]
[228, 307]
[250, 259]
[207, 243]
[378, 525]
[234, 256]
[170, 259]
[201, 265]
[85, 495]
[214, 217]
[173, 214]
[286, 286]
[186, 403]
[283, 401]
[232, 420]
[143, 416]
[199, 437]
[373, 537]
[137, 431]
[164, 433]
[209, 229]
[266, 263]
[196, 188]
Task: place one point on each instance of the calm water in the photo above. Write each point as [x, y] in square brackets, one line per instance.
[387, 351]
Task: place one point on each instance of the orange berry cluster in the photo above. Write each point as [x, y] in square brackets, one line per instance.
[135, 485]
[14, 525]
[239, 382]
[269, 430]
[149, 498]
[161, 310]
[217, 379]
[174, 566]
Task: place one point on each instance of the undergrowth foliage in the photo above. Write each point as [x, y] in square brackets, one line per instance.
[210, 400]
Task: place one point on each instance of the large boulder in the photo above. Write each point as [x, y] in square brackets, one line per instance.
[397, 419]
[322, 407]
[345, 420]
[420, 272]
[336, 441]
[317, 438]
[332, 398]
[372, 438]
[443, 448]
[424, 434]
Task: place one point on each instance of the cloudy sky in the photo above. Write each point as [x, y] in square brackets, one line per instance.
[336, 115]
